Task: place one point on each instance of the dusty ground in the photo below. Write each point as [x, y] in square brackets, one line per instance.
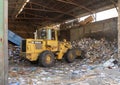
[62, 73]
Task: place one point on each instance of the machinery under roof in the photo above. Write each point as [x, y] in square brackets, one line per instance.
[33, 13]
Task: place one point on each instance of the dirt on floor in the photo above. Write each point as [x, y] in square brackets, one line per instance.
[77, 73]
[100, 66]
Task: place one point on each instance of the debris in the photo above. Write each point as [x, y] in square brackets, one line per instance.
[96, 51]
[14, 83]
[92, 70]
[110, 63]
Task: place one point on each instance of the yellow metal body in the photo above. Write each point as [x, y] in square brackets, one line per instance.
[34, 47]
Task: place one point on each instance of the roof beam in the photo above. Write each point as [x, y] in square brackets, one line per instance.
[37, 16]
[35, 9]
[75, 4]
[32, 18]
[115, 4]
[59, 11]
[18, 7]
[27, 13]
[66, 12]
[72, 3]
[48, 9]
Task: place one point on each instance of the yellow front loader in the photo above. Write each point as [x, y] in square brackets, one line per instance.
[45, 48]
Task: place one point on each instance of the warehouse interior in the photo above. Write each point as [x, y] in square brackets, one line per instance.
[97, 41]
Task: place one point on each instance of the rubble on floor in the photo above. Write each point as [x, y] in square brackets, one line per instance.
[100, 67]
[63, 73]
[97, 51]
[13, 53]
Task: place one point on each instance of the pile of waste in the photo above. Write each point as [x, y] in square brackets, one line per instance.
[97, 51]
[99, 67]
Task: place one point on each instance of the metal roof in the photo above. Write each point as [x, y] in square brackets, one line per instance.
[45, 12]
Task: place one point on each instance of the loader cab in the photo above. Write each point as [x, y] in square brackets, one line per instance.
[48, 34]
[51, 39]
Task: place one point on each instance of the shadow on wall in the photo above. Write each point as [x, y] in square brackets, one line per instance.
[98, 35]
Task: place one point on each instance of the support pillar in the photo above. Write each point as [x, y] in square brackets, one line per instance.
[119, 29]
[3, 42]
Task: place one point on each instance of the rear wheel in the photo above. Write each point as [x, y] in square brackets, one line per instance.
[77, 52]
[46, 59]
[70, 56]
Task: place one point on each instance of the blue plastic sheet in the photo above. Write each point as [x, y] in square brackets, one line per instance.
[14, 38]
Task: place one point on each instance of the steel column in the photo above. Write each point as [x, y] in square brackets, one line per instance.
[119, 29]
[3, 42]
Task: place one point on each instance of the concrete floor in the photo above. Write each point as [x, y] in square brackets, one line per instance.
[77, 73]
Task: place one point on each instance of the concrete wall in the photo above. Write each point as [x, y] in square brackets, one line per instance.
[97, 30]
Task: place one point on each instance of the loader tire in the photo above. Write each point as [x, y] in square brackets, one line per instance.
[79, 53]
[46, 59]
[70, 56]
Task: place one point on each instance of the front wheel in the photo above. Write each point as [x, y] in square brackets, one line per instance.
[70, 56]
[46, 59]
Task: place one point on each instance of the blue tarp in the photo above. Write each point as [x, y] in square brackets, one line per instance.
[14, 38]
